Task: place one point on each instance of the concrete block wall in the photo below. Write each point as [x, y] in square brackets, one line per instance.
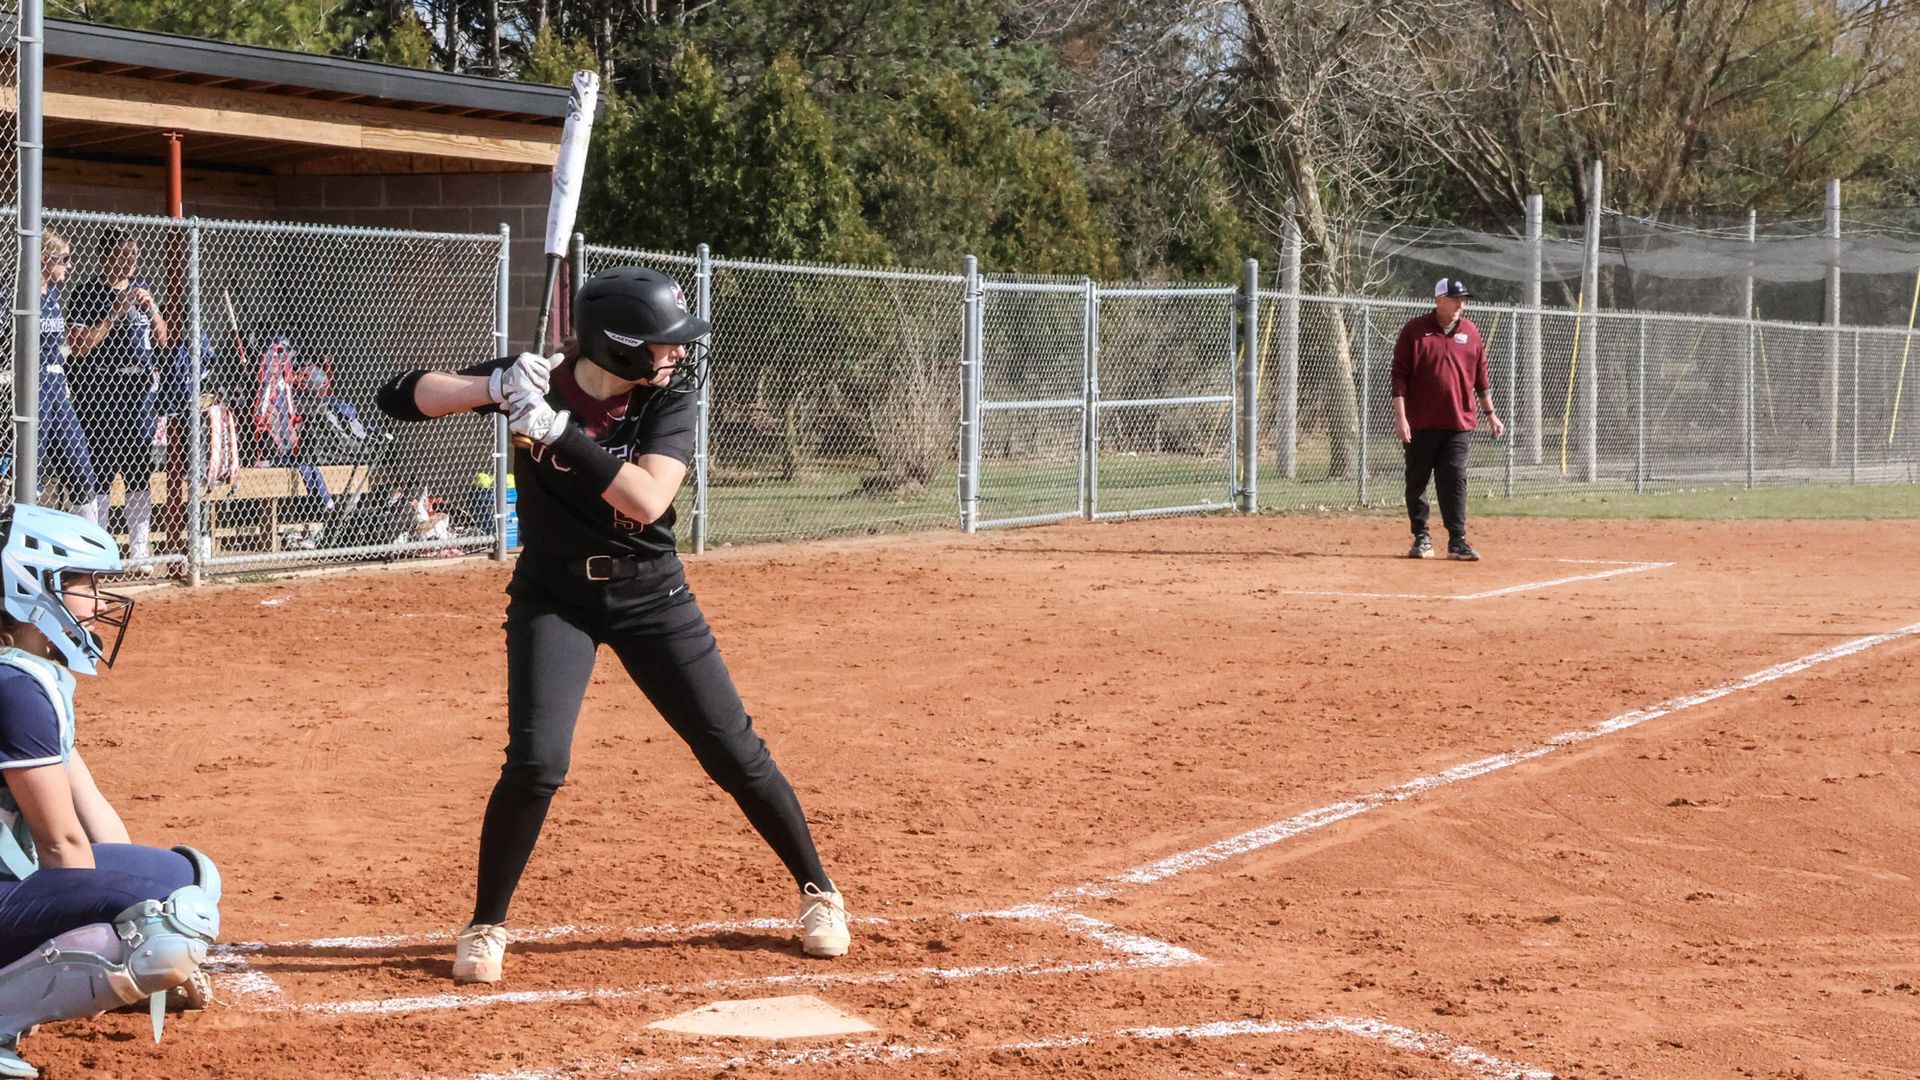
[445, 202]
[236, 202]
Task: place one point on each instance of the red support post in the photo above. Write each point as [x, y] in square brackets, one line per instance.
[175, 514]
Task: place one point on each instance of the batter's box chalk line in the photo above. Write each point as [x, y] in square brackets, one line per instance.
[1616, 570]
[251, 988]
[1471, 1060]
[1320, 817]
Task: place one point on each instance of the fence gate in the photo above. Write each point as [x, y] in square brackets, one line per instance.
[1035, 359]
[1163, 432]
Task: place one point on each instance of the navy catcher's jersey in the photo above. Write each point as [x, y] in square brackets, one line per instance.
[561, 514]
[36, 728]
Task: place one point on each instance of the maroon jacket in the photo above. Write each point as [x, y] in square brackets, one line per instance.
[1439, 373]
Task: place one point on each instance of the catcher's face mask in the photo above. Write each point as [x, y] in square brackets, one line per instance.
[97, 612]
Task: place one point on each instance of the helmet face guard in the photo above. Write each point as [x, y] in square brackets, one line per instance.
[113, 612]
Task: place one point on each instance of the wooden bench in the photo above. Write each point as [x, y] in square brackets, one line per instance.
[260, 502]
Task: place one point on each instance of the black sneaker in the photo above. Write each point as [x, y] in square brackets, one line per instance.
[1422, 548]
[1461, 551]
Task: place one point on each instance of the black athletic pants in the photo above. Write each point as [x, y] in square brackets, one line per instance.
[1443, 456]
[556, 619]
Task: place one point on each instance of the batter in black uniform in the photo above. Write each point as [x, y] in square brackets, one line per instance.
[611, 429]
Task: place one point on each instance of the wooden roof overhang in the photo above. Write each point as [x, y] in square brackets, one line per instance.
[110, 91]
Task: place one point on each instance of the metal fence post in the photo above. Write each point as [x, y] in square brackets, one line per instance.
[1513, 362]
[1286, 417]
[1588, 377]
[1090, 443]
[1528, 410]
[970, 298]
[1249, 397]
[703, 409]
[1833, 320]
[190, 414]
[978, 330]
[1746, 406]
[502, 462]
[30, 52]
[1640, 412]
[1853, 462]
[1366, 391]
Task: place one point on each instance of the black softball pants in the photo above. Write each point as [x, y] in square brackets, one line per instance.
[1441, 455]
[556, 619]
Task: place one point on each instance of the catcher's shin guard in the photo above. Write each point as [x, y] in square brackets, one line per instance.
[205, 874]
[148, 949]
[197, 992]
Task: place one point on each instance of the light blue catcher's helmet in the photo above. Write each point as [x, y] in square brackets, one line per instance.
[42, 546]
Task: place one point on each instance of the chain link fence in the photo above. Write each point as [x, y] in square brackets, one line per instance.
[207, 389]
[1163, 400]
[843, 397]
[833, 403]
[1103, 401]
[1593, 402]
[1033, 369]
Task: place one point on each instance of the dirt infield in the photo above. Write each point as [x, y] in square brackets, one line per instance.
[1214, 797]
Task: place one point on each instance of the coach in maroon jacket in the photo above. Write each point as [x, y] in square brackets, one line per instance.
[1439, 367]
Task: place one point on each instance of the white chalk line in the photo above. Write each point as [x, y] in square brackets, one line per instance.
[564, 932]
[1526, 586]
[1151, 951]
[446, 1001]
[1268, 835]
[241, 979]
[1475, 1061]
[265, 995]
[236, 978]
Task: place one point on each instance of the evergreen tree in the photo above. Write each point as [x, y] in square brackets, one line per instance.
[302, 25]
[797, 197]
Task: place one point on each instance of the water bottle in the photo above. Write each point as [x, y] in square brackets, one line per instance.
[513, 514]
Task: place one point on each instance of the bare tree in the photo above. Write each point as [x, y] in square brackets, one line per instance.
[1320, 97]
[1690, 102]
[1314, 101]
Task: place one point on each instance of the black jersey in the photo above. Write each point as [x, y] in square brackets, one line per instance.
[561, 513]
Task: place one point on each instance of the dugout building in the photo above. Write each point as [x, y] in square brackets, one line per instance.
[264, 134]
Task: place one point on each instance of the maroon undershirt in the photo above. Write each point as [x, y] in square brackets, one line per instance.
[595, 417]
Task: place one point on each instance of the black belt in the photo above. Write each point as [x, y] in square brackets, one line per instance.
[597, 568]
[611, 567]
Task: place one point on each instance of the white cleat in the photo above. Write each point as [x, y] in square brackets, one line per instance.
[479, 953]
[823, 922]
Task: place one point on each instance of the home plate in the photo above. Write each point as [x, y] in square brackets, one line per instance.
[798, 1016]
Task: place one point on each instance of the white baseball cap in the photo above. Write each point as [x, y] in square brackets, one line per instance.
[1447, 286]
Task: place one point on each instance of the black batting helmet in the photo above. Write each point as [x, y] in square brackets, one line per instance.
[620, 310]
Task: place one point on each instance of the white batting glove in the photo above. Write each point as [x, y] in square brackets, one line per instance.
[530, 372]
[531, 416]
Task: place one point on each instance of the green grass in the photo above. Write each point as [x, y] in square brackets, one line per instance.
[1874, 502]
[827, 501]
[1705, 502]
